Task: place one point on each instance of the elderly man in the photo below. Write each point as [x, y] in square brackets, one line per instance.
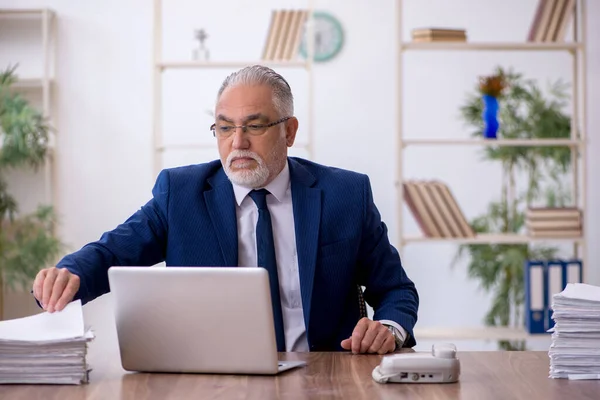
[321, 235]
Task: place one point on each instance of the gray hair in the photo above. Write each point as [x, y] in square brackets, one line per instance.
[283, 100]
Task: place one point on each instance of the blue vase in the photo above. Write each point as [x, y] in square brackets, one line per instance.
[490, 116]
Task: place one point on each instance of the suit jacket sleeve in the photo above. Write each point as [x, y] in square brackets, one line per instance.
[139, 241]
[388, 289]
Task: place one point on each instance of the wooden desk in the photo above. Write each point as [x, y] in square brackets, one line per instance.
[485, 375]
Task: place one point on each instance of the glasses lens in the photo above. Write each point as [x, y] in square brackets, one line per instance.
[224, 130]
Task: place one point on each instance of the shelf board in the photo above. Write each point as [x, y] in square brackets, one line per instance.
[492, 142]
[51, 146]
[227, 64]
[477, 333]
[490, 239]
[15, 12]
[491, 46]
[30, 84]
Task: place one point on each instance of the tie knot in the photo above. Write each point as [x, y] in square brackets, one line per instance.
[260, 198]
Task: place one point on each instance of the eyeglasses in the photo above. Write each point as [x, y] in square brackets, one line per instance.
[225, 131]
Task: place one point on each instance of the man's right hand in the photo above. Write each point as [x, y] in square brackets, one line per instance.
[55, 287]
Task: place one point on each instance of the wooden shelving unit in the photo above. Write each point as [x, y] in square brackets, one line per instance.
[40, 86]
[577, 143]
[487, 239]
[32, 84]
[43, 83]
[492, 142]
[230, 64]
[160, 66]
[483, 46]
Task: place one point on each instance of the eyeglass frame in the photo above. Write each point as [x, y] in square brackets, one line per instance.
[213, 127]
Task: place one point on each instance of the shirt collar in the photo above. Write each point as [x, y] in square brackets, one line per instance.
[277, 187]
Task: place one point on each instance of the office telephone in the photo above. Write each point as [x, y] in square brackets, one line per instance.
[439, 366]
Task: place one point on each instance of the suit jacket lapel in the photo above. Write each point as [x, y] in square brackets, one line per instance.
[307, 217]
[220, 202]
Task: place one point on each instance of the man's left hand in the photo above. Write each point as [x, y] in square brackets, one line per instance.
[370, 337]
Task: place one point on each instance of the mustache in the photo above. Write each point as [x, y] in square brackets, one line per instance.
[242, 154]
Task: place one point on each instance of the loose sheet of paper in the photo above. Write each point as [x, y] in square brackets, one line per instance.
[61, 325]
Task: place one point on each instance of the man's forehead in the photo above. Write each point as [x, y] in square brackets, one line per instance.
[244, 100]
[243, 91]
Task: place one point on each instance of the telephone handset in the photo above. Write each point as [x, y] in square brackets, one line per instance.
[439, 366]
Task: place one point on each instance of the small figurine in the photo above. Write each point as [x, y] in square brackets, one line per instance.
[201, 53]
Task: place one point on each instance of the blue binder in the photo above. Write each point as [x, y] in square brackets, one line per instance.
[571, 271]
[536, 286]
[557, 280]
[543, 279]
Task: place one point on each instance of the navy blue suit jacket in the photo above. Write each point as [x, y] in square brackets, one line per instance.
[340, 238]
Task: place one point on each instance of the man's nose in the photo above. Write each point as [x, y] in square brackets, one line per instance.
[240, 139]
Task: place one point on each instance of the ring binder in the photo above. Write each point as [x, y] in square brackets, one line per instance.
[543, 279]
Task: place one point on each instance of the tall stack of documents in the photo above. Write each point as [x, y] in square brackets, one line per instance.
[575, 349]
[47, 348]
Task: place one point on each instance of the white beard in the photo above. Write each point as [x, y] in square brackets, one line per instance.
[250, 178]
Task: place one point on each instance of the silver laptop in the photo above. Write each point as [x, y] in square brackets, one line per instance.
[195, 320]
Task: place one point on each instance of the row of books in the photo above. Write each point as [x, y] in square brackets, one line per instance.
[285, 35]
[439, 35]
[551, 20]
[549, 222]
[549, 24]
[287, 25]
[435, 209]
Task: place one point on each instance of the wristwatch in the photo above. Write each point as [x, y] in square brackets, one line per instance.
[397, 337]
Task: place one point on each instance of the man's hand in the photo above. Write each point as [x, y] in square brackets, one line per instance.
[370, 337]
[55, 287]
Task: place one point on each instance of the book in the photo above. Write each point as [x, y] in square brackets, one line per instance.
[466, 231]
[419, 210]
[438, 31]
[438, 34]
[554, 222]
[435, 209]
[284, 34]
[550, 20]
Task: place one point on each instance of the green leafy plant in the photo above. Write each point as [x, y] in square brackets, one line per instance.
[27, 242]
[525, 113]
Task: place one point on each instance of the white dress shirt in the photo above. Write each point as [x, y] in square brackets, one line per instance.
[284, 236]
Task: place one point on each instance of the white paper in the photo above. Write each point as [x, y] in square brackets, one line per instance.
[575, 349]
[581, 291]
[59, 325]
[47, 348]
[579, 377]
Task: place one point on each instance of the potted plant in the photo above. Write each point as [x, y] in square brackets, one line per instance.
[525, 113]
[27, 242]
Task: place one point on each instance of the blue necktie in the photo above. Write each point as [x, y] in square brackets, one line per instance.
[266, 259]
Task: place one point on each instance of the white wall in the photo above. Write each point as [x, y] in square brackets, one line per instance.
[104, 111]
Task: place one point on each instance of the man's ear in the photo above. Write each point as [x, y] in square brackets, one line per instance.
[291, 127]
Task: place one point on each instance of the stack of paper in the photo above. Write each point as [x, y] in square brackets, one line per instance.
[575, 349]
[47, 348]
